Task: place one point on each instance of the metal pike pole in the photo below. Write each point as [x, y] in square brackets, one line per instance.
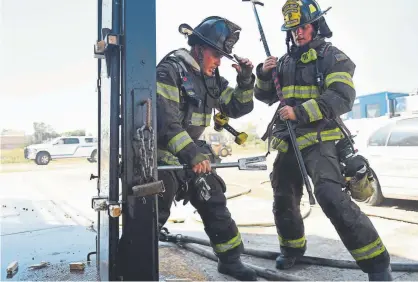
[282, 101]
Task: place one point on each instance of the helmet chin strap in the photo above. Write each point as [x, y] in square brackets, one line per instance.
[202, 73]
[289, 38]
[200, 61]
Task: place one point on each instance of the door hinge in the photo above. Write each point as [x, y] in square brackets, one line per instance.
[100, 203]
[103, 48]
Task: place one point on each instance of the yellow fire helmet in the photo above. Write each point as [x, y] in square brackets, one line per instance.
[298, 13]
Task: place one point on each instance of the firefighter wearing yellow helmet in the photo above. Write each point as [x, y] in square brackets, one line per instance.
[316, 80]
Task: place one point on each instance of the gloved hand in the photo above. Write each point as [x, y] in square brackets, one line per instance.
[202, 167]
[244, 69]
[269, 64]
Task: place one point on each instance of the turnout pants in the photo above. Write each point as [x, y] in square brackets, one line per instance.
[353, 226]
[219, 226]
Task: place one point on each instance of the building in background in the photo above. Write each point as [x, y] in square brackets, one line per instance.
[381, 104]
[12, 139]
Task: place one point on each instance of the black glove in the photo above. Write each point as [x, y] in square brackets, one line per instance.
[244, 69]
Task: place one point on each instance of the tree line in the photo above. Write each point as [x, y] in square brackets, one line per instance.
[44, 132]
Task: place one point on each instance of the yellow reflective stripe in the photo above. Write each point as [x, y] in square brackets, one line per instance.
[231, 244]
[178, 142]
[264, 85]
[369, 251]
[312, 108]
[300, 92]
[332, 134]
[226, 95]
[169, 92]
[199, 119]
[297, 243]
[279, 144]
[167, 157]
[244, 96]
[307, 140]
[343, 77]
[311, 138]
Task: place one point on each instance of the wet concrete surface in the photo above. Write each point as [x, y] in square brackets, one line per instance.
[33, 231]
[40, 221]
[324, 242]
[46, 216]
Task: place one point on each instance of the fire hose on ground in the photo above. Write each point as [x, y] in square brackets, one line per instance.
[185, 241]
[266, 273]
[250, 164]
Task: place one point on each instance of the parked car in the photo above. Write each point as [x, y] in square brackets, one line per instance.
[61, 148]
[392, 150]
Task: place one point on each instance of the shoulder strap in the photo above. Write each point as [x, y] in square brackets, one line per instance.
[323, 50]
[181, 70]
[321, 54]
[319, 77]
[280, 63]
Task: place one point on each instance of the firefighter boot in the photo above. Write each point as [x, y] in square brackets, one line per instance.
[233, 266]
[285, 262]
[381, 276]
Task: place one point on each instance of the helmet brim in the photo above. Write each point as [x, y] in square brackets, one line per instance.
[187, 30]
[284, 28]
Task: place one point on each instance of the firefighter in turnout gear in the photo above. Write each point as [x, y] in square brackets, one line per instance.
[189, 88]
[317, 85]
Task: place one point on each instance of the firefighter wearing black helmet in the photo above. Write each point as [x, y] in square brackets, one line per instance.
[317, 85]
[189, 88]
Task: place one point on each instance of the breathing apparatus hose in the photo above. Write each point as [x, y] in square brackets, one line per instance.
[182, 239]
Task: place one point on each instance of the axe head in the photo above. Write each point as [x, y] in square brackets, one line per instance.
[252, 163]
[255, 2]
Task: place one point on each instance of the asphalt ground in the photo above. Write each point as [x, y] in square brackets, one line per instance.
[46, 215]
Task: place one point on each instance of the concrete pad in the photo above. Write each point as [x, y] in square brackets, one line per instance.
[74, 188]
[318, 246]
[33, 246]
[177, 263]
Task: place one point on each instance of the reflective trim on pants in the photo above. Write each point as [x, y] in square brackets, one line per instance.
[297, 243]
[229, 245]
[369, 251]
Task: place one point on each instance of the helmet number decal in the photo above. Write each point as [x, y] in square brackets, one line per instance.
[291, 13]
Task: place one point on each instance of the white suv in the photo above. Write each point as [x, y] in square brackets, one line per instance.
[63, 147]
[392, 149]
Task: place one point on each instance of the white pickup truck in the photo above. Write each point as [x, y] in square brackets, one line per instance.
[63, 147]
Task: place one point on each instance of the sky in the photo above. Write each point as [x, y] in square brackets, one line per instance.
[48, 72]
